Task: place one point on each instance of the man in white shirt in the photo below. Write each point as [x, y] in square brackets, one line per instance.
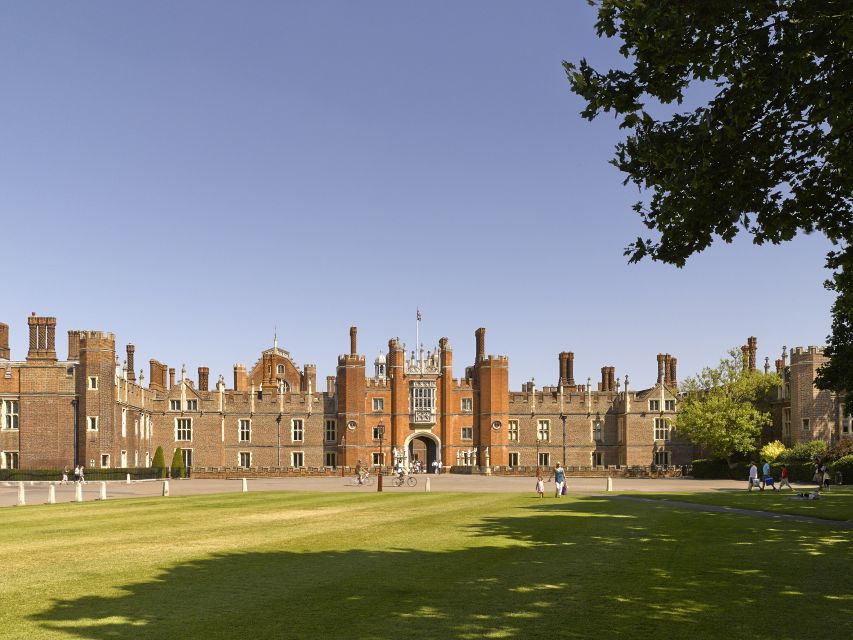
[753, 475]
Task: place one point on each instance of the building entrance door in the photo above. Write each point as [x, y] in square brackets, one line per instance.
[422, 449]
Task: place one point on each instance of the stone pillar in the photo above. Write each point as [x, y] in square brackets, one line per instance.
[203, 378]
[353, 331]
[480, 337]
[131, 372]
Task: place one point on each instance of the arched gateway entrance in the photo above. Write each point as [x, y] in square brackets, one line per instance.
[425, 447]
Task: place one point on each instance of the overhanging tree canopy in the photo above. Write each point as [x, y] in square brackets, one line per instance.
[770, 154]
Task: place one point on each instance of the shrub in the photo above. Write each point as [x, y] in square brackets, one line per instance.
[841, 449]
[772, 450]
[844, 466]
[797, 471]
[159, 462]
[178, 468]
[804, 452]
[716, 468]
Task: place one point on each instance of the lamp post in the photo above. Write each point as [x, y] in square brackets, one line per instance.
[563, 419]
[381, 430]
[343, 453]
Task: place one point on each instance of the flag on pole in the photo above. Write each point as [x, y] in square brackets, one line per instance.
[419, 315]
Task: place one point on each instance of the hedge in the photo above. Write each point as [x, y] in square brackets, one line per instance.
[845, 467]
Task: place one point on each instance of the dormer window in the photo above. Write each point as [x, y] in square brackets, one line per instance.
[654, 405]
[192, 405]
[174, 405]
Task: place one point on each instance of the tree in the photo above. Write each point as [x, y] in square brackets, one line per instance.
[178, 467]
[769, 154]
[159, 462]
[726, 407]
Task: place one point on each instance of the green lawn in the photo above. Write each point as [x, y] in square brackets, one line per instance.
[836, 504]
[416, 565]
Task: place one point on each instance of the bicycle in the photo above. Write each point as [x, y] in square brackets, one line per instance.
[366, 480]
[399, 481]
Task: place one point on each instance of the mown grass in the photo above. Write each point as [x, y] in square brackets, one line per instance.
[276, 565]
[836, 504]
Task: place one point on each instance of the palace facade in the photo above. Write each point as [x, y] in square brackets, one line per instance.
[90, 409]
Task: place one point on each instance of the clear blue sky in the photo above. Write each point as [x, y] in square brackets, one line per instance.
[190, 175]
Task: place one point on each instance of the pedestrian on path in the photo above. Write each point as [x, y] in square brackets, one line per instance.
[540, 487]
[753, 476]
[82, 476]
[76, 473]
[559, 480]
[64, 475]
[784, 479]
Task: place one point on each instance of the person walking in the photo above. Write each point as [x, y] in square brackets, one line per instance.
[784, 479]
[766, 478]
[82, 475]
[559, 480]
[753, 476]
[64, 475]
[540, 487]
[76, 473]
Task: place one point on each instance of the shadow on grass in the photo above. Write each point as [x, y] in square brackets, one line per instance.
[570, 569]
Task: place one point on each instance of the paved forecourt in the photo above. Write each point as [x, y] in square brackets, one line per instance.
[37, 492]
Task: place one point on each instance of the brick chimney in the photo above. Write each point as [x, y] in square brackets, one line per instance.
[42, 337]
[480, 338]
[203, 378]
[660, 369]
[673, 372]
[131, 371]
[4, 340]
[745, 355]
[171, 377]
[752, 343]
[353, 332]
[564, 367]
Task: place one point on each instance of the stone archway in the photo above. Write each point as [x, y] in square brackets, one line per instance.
[424, 446]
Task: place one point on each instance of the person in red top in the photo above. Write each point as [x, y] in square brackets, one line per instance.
[784, 480]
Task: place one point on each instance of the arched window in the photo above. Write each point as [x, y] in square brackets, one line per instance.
[281, 369]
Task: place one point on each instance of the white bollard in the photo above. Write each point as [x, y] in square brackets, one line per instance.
[245, 485]
[128, 478]
[427, 488]
[78, 492]
[103, 490]
[22, 496]
[165, 487]
[51, 494]
[609, 483]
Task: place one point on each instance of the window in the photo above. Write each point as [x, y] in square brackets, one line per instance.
[597, 457]
[378, 459]
[423, 401]
[92, 423]
[192, 405]
[654, 405]
[124, 423]
[105, 461]
[10, 414]
[93, 383]
[513, 458]
[807, 426]
[543, 430]
[513, 430]
[174, 405]
[544, 459]
[467, 405]
[184, 429]
[260, 394]
[377, 431]
[245, 459]
[331, 459]
[661, 429]
[245, 431]
[10, 460]
[379, 404]
[846, 423]
[298, 432]
[597, 430]
[662, 458]
[331, 431]
[69, 371]
[669, 405]
[467, 433]
[187, 456]
[297, 459]
[280, 369]
[136, 428]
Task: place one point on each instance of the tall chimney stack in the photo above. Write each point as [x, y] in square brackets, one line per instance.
[203, 377]
[352, 334]
[131, 371]
[605, 376]
[480, 336]
[673, 372]
[752, 343]
[745, 355]
[171, 377]
[4, 341]
[660, 369]
[570, 368]
[564, 367]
